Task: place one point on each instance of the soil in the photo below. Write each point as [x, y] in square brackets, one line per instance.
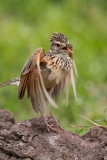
[30, 140]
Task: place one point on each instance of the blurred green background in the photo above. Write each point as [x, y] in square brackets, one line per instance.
[28, 24]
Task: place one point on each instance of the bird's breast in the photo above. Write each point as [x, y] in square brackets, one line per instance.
[55, 71]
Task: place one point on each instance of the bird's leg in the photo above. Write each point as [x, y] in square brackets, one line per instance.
[48, 127]
[58, 125]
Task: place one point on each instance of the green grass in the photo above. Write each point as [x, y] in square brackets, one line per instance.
[27, 25]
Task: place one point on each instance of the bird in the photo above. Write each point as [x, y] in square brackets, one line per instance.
[45, 75]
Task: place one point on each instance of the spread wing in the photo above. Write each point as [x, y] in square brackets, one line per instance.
[31, 80]
[59, 88]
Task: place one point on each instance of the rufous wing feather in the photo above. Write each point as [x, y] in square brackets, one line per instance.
[32, 81]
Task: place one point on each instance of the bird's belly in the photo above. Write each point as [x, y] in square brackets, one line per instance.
[51, 77]
[57, 75]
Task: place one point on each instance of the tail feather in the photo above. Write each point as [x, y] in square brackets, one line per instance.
[15, 81]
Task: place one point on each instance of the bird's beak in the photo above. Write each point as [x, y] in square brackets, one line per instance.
[70, 50]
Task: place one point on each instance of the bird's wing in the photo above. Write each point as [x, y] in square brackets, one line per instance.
[59, 88]
[32, 81]
[14, 81]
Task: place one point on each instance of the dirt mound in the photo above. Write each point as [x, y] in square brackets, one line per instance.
[29, 140]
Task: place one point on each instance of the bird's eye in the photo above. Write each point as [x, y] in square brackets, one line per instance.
[57, 44]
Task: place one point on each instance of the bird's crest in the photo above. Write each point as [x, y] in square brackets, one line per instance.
[59, 37]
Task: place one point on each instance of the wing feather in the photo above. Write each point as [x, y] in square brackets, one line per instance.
[23, 86]
[59, 88]
[32, 81]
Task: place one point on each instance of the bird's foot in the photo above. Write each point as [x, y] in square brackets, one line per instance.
[57, 123]
[50, 127]
[53, 125]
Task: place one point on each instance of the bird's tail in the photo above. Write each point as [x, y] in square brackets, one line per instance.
[15, 81]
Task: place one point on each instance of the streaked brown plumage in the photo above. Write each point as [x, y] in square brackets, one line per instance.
[45, 75]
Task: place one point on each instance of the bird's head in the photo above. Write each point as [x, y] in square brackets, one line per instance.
[60, 44]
